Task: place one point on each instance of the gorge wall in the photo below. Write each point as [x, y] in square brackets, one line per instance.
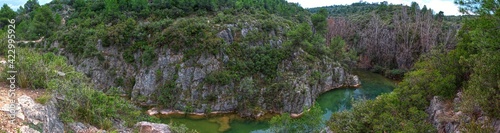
[177, 82]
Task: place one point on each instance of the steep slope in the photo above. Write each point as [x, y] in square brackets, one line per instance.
[390, 38]
[447, 91]
[250, 57]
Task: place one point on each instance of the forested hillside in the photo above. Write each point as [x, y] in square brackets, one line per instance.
[179, 56]
[390, 38]
[106, 63]
[448, 90]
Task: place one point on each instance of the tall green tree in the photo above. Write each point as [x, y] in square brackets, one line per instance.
[478, 51]
[31, 5]
[112, 8]
[6, 13]
[44, 21]
[319, 21]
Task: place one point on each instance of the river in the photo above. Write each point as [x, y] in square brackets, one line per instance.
[332, 101]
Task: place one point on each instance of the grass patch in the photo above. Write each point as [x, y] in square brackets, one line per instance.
[43, 98]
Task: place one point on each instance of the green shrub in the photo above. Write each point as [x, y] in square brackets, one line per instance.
[309, 122]
[167, 95]
[220, 77]
[81, 102]
[148, 55]
[43, 98]
[395, 73]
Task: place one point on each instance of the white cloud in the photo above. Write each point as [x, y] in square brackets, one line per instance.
[447, 6]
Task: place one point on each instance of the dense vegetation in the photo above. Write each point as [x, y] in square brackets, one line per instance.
[309, 122]
[81, 102]
[188, 27]
[471, 68]
[276, 30]
[390, 38]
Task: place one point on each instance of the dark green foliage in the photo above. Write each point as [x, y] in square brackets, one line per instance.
[319, 21]
[40, 23]
[300, 34]
[167, 95]
[81, 102]
[253, 61]
[6, 14]
[192, 36]
[148, 55]
[80, 42]
[121, 33]
[472, 67]
[309, 122]
[44, 21]
[30, 6]
[478, 53]
[220, 77]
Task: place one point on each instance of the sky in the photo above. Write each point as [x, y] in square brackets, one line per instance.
[447, 6]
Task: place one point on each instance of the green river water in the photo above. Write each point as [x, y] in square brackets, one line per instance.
[332, 101]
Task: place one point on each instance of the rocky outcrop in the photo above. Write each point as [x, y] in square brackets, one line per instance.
[45, 115]
[447, 117]
[444, 118]
[147, 127]
[79, 127]
[300, 82]
[27, 129]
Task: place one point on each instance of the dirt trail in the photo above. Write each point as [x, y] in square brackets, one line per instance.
[35, 41]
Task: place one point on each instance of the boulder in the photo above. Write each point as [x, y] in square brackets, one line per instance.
[47, 115]
[79, 127]
[148, 127]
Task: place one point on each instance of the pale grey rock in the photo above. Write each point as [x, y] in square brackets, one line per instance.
[145, 83]
[27, 129]
[148, 127]
[45, 114]
[13, 107]
[227, 35]
[79, 127]
[189, 75]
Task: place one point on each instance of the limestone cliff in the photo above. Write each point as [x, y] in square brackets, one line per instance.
[301, 80]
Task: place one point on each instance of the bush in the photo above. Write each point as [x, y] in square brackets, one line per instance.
[148, 55]
[167, 95]
[81, 102]
[43, 98]
[221, 77]
[395, 73]
[309, 122]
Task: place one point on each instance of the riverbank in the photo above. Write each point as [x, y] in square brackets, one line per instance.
[334, 100]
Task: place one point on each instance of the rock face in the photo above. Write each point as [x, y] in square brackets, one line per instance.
[79, 127]
[47, 115]
[147, 127]
[444, 119]
[300, 83]
[447, 118]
